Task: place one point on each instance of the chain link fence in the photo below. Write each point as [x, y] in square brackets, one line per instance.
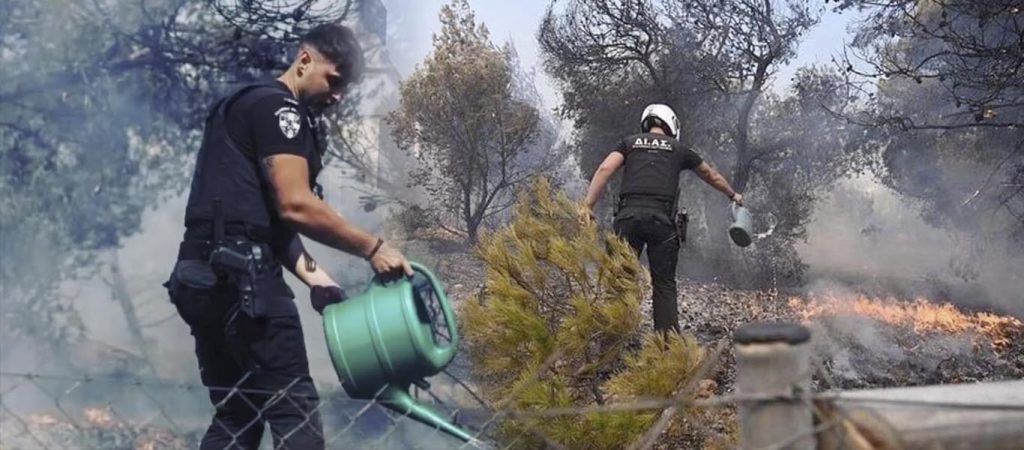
[45, 411]
[48, 411]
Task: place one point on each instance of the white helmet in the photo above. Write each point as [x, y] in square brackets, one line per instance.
[653, 114]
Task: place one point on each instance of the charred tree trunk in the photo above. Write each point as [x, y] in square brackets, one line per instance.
[119, 290]
[742, 168]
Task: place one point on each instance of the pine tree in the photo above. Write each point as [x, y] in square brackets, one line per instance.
[559, 325]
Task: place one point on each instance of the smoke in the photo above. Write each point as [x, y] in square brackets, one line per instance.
[146, 259]
[865, 236]
[140, 238]
[862, 352]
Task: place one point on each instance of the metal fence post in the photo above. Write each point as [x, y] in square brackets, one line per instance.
[773, 359]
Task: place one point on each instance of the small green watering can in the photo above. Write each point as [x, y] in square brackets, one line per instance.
[392, 335]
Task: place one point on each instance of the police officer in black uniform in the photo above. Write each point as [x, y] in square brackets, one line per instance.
[253, 192]
[647, 201]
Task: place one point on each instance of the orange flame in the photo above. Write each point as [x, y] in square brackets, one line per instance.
[43, 419]
[920, 315]
[147, 438]
[100, 417]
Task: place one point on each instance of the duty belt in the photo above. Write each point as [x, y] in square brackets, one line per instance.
[244, 262]
[660, 203]
[200, 229]
[238, 254]
[198, 249]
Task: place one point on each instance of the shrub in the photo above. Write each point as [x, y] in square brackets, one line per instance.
[559, 326]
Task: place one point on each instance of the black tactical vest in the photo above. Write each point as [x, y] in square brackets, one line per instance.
[226, 172]
[652, 166]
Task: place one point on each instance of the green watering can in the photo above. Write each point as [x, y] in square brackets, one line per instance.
[393, 335]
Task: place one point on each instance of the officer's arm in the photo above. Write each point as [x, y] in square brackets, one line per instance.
[715, 179]
[299, 262]
[307, 214]
[605, 171]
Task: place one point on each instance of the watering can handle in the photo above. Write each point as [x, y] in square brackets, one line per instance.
[446, 308]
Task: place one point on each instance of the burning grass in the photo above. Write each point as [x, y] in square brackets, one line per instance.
[921, 315]
[863, 341]
[96, 428]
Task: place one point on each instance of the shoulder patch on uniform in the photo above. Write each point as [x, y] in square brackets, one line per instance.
[291, 100]
[288, 121]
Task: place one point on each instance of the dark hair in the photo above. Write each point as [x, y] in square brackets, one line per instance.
[651, 122]
[338, 44]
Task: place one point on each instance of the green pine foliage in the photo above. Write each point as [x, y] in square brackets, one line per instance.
[559, 326]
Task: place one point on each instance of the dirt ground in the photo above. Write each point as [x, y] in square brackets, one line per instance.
[853, 351]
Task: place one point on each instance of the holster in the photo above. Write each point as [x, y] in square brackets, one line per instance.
[241, 264]
[682, 220]
[250, 267]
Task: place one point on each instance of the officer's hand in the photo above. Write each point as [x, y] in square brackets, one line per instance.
[390, 263]
[321, 296]
[586, 215]
[738, 199]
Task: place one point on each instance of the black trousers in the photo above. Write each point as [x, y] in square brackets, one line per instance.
[256, 370]
[652, 228]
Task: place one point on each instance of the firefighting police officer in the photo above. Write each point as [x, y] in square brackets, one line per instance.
[647, 200]
[253, 192]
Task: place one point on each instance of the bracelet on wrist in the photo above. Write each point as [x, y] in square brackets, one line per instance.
[380, 242]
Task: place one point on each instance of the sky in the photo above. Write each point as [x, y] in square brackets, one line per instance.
[411, 23]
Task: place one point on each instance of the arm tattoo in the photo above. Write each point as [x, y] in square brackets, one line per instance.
[310, 262]
[268, 163]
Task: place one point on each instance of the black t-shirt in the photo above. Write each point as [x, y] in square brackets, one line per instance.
[267, 121]
[261, 121]
[653, 163]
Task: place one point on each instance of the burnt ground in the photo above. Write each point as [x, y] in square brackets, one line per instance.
[854, 351]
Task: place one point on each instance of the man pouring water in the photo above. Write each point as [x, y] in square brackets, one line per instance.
[253, 193]
[652, 161]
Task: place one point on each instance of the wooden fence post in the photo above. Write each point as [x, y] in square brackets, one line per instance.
[987, 416]
[773, 359]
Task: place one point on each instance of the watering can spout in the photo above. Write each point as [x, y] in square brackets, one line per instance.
[397, 398]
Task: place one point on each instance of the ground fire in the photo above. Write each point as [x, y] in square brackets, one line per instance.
[98, 427]
[920, 314]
